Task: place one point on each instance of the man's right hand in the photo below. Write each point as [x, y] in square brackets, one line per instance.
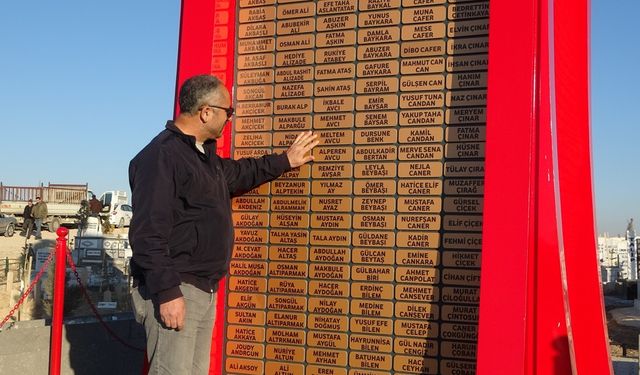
[173, 312]
[303, 144]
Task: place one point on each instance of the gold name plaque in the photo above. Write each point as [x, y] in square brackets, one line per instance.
[367, 260]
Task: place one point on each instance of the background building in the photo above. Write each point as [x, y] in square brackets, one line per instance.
[613, 253]
[618, 256]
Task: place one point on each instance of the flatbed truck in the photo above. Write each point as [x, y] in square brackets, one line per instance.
[63, 201]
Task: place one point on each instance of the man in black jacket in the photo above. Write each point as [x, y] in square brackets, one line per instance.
[181, 232]
[27, 223]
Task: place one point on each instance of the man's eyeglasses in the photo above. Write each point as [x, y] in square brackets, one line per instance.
[229, 111]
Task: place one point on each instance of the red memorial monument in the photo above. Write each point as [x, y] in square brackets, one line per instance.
[447, 223]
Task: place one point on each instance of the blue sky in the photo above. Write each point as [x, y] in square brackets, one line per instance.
[615, 102]
[84, 85]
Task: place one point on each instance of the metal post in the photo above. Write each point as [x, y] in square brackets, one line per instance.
[634, 242]
[55, 346]
[633, 255]
[27, 279]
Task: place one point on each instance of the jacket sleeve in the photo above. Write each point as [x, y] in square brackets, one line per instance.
[246, 174]
[152, 180]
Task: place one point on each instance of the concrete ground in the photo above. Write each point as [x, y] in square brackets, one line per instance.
[626, 316]
[87, 349]
[623, 321]
[625, 366]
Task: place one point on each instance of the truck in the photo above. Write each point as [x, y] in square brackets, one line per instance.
[63, 201]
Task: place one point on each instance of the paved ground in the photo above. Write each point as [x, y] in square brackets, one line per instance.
[86, 348]
[623, 322]
[625, 366]
[626, 316]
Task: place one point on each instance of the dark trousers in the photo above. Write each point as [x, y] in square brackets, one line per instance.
[27, 227]
[38, 228]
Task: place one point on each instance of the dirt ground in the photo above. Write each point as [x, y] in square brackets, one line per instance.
[12, 247]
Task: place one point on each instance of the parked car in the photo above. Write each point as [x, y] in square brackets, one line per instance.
[121, 215]
[7, 225]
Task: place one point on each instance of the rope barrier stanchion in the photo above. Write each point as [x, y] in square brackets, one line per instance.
[55, 347]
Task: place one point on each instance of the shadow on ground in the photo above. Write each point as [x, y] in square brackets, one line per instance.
[87, 348]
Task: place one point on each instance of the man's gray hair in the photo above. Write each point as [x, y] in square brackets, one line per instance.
[195, 91]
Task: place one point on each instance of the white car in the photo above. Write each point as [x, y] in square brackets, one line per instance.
[121, 215]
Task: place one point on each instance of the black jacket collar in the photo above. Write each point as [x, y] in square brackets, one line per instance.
[209, 145]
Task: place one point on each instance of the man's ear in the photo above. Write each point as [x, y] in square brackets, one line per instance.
[203, 115]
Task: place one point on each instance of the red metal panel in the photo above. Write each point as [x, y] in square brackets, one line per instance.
[508, 207]
[223, 57]
[207, 26]
[538, 215]
[521, 292]
[550, 352]
[222, 65]
[195, 43]
[585, 305]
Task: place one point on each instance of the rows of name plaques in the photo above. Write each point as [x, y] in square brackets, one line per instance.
[367, 261]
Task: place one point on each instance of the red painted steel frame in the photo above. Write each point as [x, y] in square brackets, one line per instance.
[541, 308]
[55, 346]
[507, 223]
[207, 46]
[538, 235]
[195, 43]
[584, 291]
